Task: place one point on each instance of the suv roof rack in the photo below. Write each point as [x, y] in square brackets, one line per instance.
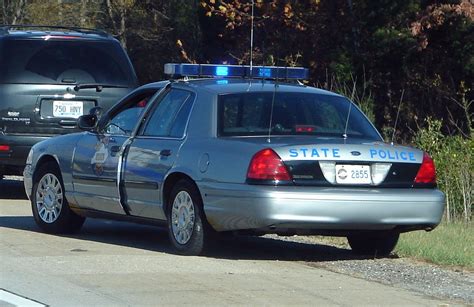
[5, 28]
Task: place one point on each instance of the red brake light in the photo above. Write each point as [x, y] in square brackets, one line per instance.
[304, 128]
[4, 148]
[427, 171]
[48, 37]
[267, 165]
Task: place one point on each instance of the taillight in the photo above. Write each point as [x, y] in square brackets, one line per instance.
[4, 148]
[427, 171]
[267, 165]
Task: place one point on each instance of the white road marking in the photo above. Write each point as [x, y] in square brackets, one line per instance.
[17, 300]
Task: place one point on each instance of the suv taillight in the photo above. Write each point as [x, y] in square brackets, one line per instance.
[267, 165]
[427, 171]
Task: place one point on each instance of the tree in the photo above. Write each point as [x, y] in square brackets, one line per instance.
[420, 48]
[13, 11]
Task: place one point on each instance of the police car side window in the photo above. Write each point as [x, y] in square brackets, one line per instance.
[125, 120]
[169, 118]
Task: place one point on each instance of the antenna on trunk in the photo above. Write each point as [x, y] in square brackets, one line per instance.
[396, 119]
[271, 112]
[347, 120]
[349, 112]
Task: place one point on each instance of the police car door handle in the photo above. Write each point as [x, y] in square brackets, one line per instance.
[165, 152]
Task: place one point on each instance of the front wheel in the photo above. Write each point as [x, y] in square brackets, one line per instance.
[49, 205]
[373, 243]
[187, 226]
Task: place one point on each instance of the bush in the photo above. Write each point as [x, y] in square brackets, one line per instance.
[453, 156]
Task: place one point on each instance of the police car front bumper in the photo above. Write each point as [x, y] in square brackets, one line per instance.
[28, 180]
[312, 209]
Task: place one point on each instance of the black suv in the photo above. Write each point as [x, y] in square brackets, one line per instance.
[49, 76]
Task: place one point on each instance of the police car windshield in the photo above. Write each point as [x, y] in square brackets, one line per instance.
[71, 61]
[248, 114]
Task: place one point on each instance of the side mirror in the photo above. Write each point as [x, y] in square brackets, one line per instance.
[97, 111]
[87, 122]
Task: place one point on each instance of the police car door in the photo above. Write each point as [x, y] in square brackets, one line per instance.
[153, 152]
[98, 156]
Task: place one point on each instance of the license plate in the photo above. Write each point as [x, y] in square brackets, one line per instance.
[67, 108]
[353, 174]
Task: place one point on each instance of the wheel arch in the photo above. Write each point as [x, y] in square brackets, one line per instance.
[45, 159]
[170, 182]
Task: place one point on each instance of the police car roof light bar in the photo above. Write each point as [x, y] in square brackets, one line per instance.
[177, 70]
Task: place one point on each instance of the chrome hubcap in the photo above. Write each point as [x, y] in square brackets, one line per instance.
[49, 198]
[182, 217]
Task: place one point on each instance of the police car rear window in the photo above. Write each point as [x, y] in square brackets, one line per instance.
[252, 114]
[42, 61]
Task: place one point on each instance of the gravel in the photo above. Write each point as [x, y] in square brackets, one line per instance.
[428, 279]
[441, 282]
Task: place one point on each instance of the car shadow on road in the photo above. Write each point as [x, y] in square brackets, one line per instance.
[156, 239]
[12, 188]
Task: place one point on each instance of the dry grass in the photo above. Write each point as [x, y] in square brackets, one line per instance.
[448, 244]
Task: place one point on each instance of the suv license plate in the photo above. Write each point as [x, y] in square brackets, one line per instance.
[353, 174]
[67, 108]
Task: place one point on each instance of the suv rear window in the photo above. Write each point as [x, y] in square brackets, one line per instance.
[41, 61]
[248, 114]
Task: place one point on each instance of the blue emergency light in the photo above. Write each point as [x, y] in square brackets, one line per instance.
[177, 70]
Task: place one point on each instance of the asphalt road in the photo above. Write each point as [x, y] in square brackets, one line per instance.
[115, 264]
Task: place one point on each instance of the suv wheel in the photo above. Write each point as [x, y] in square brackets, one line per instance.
[49, 205]
[373, 243]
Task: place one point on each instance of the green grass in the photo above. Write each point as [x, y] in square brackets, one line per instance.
[448, 244]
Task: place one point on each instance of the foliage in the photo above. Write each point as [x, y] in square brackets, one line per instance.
[453, 156]
[423, 49]
[358, 92]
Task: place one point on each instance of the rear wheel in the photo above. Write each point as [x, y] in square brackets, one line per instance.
[373, 243]
[49, 205]
[188, 229]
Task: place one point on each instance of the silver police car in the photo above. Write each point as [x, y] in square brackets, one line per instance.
[235, 149]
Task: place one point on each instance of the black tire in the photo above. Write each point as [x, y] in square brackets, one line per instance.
[373, 243]
[194, 237]
[49, 204]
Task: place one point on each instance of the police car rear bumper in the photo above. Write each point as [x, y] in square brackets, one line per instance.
[242, 207]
